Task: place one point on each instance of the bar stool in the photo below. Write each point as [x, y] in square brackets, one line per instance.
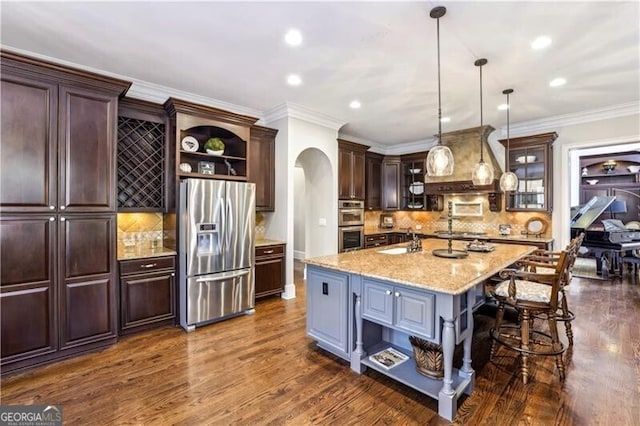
[531, 294]
[544, 262]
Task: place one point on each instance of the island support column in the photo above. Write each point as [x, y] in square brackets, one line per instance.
[447, 400]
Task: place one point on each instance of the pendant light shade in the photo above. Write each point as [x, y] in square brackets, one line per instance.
[482, 172]
[508, 180]
[440, 157]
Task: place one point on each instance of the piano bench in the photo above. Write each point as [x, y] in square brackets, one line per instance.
[633, 264]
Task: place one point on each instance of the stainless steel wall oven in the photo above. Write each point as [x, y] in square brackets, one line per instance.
[350, 225]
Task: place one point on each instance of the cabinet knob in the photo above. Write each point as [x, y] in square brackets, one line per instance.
[397, 294]
[62, 219]
[62, 207]
[148, 265]
[173, 275]
[51, 219]
[388, 292]
[52, 207]
[268, 251]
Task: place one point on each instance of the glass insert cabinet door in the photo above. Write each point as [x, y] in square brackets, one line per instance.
[530, 158]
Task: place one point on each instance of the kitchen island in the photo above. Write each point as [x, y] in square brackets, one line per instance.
[361, 302]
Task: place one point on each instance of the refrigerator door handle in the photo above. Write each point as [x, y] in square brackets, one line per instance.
[230, 225]
[222, 278]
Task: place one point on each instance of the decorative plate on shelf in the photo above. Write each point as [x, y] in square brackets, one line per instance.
[190, 144]
[525, 159]
[414, 205]
[416, 188]
[415, 171]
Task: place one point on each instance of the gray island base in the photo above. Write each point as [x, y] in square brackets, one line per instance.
[359, 303]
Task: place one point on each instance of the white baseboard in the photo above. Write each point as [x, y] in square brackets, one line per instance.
[298, 254]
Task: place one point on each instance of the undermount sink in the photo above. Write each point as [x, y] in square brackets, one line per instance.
[396, 250]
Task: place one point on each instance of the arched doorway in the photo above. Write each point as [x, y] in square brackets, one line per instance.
[315, 221]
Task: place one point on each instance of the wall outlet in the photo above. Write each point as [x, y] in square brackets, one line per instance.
[322, 221]
[418, 226]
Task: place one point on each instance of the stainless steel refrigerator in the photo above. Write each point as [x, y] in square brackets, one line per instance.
[216, 250]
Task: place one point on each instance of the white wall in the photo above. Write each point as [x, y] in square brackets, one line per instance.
[299, 213]
[294, 136]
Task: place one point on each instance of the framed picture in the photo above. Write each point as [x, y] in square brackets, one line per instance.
[206, 168]
[467, 208]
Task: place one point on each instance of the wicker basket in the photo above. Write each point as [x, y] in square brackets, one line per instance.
[428, 356]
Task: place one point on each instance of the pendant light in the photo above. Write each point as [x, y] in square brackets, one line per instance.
[440, 157]
[508, 180]
[482, 172]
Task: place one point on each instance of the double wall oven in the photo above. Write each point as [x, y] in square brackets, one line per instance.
[350, 225]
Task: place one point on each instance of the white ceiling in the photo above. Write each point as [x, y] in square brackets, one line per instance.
[381, 53]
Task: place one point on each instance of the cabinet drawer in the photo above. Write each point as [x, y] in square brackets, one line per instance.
[146, 265]
[376, 240]
[270, 250]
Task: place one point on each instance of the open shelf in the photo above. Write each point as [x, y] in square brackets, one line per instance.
[407, 374]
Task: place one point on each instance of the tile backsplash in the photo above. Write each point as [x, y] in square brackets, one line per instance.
[140, 229]
[488, 222]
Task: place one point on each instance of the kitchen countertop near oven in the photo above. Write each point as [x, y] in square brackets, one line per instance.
[142, 253]
[261, 242]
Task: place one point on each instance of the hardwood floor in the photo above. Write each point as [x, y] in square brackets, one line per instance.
[262, 369]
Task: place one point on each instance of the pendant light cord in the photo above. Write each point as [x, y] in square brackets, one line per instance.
[481, 119]
[439, 95]
[508, 108]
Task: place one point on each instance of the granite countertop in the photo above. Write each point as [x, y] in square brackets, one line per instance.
[142, 253]
[424, 270]
[261, 242]
[431, 233]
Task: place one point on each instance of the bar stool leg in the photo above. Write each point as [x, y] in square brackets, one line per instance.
[524, 344]
[497, 328]
[567, 316]
[556, 345]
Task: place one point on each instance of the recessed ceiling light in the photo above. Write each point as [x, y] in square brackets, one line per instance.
[445, 119]
[294, 80]
[355, 104]
[503, 107]
[557, 82]
[540, 43]
[293, 37]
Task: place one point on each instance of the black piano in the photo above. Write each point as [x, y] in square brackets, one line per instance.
[606, 238]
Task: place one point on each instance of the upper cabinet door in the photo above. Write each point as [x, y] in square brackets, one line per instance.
[358, 171]
[530, 158]
[28, 144]
[261, 167]
[87, 139]
[351, 165]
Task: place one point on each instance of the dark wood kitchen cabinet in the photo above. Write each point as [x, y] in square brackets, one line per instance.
[270, 270]
[351, 170]
[391, 175]
[373, 181]
[58, 204]
[530, 158]
[192, 125]
[147, 293]
[142, 159]
[262, 168]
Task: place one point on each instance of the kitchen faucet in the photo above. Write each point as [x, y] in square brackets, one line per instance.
[415, 244]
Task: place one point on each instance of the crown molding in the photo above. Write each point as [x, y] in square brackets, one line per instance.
[553, 123]
[300, 112]
[156, 93]
[144, 90]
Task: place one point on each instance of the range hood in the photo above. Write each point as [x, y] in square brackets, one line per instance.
[465, 147]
